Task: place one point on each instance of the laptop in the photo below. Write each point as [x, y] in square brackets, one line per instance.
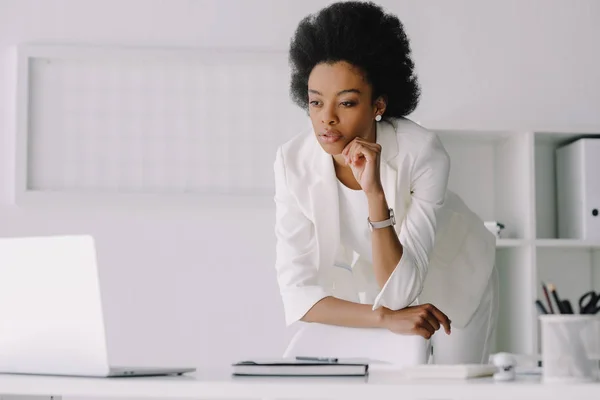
[51, 317]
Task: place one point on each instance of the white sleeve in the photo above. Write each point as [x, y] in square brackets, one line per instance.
[429, 181]
[296, 251]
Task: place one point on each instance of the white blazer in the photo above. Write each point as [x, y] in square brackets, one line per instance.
[448, 254]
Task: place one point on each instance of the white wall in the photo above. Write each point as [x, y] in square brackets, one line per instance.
[198, 285]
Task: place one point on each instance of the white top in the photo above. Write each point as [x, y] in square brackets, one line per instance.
[221, 385]
[355, 236]
[354, 229]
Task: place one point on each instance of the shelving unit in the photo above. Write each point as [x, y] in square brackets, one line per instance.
[567, 244]
[507, 243]
[510, 177]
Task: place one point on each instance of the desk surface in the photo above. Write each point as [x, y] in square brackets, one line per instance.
[221, 385]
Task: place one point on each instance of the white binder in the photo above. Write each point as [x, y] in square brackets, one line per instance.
[578, 188]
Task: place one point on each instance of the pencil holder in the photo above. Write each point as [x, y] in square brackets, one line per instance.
[570, 347]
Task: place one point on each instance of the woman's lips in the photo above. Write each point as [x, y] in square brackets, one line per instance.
[330, 137]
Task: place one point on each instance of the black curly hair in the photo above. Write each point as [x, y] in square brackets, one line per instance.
[364, 35]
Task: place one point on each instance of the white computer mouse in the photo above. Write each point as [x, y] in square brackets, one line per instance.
[506, 364]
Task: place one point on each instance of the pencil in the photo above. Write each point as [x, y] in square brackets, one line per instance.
[545, 289]
[559, 305]
[541, 307]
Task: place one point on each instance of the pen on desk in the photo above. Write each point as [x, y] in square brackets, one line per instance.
[545, 289]
[559, 305]
[317, 359]
[541, 307]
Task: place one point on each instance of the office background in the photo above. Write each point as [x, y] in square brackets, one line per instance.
[195, 283]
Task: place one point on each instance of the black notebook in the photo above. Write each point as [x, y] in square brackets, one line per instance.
[295, 367]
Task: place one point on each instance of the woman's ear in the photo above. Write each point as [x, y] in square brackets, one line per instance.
[380, 105]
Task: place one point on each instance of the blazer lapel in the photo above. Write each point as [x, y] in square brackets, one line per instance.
[325, 205]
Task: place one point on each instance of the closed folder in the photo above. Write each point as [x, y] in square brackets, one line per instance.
[293, 367]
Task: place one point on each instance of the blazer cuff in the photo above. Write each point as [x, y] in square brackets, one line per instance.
[402, 287]
[297, 301]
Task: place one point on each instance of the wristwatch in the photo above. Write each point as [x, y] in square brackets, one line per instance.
[382, 224]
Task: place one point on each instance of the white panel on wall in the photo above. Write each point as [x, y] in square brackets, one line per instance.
[152, 121]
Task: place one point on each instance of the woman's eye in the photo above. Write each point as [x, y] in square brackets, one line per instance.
[347, 103]
[314, 103]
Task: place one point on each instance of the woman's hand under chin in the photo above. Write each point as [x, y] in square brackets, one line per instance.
[363, 158]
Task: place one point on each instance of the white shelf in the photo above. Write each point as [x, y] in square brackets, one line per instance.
[509, 176]
[481, 136]
[573, 265]
[561, 137]
[549, 243]
[567, 243]
[504, 243]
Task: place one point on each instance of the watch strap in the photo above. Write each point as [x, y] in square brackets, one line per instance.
[383, 224]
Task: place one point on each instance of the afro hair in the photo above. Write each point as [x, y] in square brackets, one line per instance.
[364, 35]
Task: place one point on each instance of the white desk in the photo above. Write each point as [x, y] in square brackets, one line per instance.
[214, 385]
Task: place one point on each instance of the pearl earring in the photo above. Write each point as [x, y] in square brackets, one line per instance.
[378, 118]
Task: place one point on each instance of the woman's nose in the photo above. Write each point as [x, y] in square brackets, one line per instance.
[328, 116]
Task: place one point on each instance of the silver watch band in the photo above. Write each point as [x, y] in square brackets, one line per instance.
[383, 224]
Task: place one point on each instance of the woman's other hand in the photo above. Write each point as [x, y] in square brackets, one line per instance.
[363, 158]
[423, 320]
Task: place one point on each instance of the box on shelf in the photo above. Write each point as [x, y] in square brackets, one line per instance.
[495, 227]
[578, 189]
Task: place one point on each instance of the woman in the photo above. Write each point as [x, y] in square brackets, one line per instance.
[367, 233]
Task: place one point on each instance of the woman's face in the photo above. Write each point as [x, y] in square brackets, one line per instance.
[340, 106]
